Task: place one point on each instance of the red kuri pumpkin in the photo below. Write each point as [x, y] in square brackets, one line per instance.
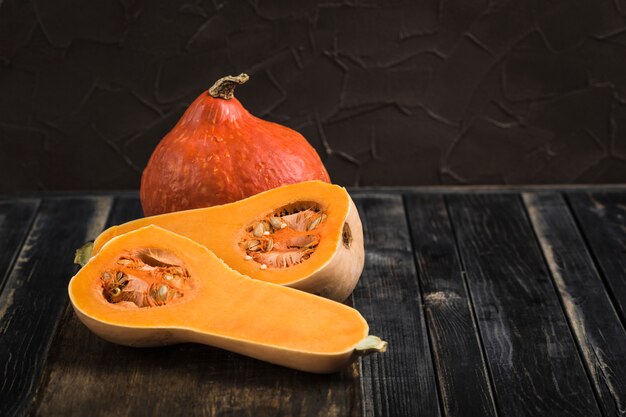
[218, 153]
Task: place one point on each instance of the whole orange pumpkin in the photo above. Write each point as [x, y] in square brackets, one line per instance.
[218, 153]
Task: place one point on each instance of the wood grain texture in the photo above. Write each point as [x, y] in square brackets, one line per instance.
[592, 317]
[89, 376]
[531, 353]
[125, 209]
[461, 371]
[86, 375]
[16, 217]
[36, 292]
[602, 219]
[400, 382]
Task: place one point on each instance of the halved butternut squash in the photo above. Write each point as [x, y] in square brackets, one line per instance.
[306, 236]
[152, 287]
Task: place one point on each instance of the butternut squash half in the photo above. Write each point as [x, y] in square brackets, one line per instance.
[306, 236]
[152, 287]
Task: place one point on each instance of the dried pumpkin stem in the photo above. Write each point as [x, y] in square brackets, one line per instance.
[83, 254]
[370, 344]
[225, 86]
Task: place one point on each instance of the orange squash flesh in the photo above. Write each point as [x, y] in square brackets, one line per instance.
[332, 270]
[224, 309]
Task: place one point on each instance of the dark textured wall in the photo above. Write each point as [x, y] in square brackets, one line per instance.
[389, 92]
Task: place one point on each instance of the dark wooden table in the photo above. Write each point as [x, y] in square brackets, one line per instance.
[508, 302]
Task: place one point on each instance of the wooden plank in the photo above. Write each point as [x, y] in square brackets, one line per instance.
[462, 374]
[36, 292]
[484, 189]
[89, 376]
[125, 209]
[596, 324]
[400, 382]
[531, 353]
[16, 217]
[602, 219]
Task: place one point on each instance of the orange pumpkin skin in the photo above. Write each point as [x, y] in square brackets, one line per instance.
[219, 153]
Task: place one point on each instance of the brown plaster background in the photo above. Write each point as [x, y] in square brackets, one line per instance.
[389, 92]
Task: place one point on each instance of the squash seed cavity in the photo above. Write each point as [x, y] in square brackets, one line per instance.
[146, 277]
[284, 238]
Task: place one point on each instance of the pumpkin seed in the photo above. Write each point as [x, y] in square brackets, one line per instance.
[106, 276]
[266, 233]
[169, 277]
[163, 292]
[248, 257]
[263, 266]
[276, 223]
[314, 223]
[124, 261]
[269, 245]
[258, 230]
[254, 245]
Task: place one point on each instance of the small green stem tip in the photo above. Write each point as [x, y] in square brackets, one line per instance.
[370, 344]
[83, 254]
